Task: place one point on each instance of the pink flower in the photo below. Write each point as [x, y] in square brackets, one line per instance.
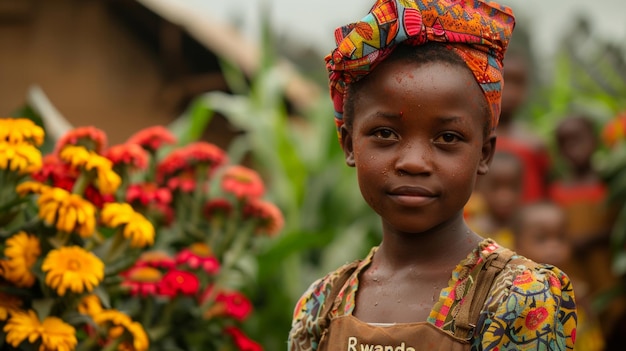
[243, 182]
[185, 182]
[178, 282]
[199, 255]
[142, 280]
[152, 138]
[156, 259]
[147, 193]
[130, 155]
[188, 157]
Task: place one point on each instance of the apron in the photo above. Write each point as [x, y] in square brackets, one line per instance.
[348, 333]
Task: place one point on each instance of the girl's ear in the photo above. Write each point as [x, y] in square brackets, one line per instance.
[488, 149]
[346, 145]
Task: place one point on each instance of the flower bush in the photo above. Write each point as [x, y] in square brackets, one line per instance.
[139, 246]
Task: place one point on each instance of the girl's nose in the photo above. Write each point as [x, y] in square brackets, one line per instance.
[414, 160]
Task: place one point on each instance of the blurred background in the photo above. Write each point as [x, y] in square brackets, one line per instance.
[248, 75]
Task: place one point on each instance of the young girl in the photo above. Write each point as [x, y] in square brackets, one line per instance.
[416, 89]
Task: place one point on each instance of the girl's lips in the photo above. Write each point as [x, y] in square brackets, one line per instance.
[412, 196]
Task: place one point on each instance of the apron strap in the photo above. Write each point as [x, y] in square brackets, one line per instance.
[464, 325]
[336, 286]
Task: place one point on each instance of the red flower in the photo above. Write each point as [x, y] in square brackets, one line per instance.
[178, 282]
[130, 155]
[56, 173]
[142, 281]
[156, 259]
[185, 182]
[236, 304]
[535, 317]
[152, 138]
[187, 157]
[242, 341]
[615, 130]
[90, 137]
[216, 207]
[95, 197]
[148, 193]
[199, 255]
[243, 182]
[270, 218]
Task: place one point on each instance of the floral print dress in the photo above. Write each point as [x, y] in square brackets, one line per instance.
[530, 306]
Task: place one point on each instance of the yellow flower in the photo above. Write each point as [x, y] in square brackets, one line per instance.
[23, 158]
[21, 251]
[8, 304]
[137, 228]
[53, 332]
[72, 268]
[30, 187]
[90, 305]
[67, 212]
[80, 157]
[20, 130]
[118, 322]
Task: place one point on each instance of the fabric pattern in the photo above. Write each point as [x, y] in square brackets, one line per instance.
[530, 306]
[477, 31]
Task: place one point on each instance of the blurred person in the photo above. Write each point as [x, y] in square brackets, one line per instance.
[514, 136]
[583, 195]
[500, 192]
[540, 234]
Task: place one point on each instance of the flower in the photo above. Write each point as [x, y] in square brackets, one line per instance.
[22, 158]
[29, 187]
[21, 251]
[242, 182]
[89, 137]
[55, 172]
[178, 282]
[90, 305]
[53, 332]
[199, 255]
[118, 323]
[184, 182]
[72, 268]
[80, 157]
[152, 138]
[147, 193]
[270, 218]
[136, 227]
[131, 155]
[615, 130]
[241, 340]
[20, 130]
[142, 280]
[217, 207]
[193, 154]
[236, 304]
[156, 259]
[8, 304]
[67, 212]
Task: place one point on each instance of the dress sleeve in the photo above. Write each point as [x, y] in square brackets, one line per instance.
[538, 313]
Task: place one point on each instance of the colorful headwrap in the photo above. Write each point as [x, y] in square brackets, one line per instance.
[477, 31]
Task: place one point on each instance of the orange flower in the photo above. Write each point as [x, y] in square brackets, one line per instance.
[137, 228]
[90, 305]
[615, 130]
[91, 138]
[67, 212]
[152, 138]
[134, 337]
[72, 268]
[21, 251]
[243, 182]
[130, 155]
[8, 304]
[23, 158]
[81, 158]
[270, 218]
[53, 332]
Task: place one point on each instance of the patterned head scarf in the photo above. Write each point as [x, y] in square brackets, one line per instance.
[477, 31]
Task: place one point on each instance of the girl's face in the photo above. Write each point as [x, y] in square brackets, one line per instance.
[417, 142]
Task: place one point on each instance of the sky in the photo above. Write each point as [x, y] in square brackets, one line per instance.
[315, 20]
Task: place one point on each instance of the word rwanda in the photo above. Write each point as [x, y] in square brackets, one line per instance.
[353, 342]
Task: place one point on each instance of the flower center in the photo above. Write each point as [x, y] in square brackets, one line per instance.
[73, 265]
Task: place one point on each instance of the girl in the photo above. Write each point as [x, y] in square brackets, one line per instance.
[416, 89]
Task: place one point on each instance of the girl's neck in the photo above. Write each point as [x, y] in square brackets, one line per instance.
[448, 243]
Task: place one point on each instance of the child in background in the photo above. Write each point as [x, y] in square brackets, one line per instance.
[416, 90]
[501, 193]
[513, 135]
[540, 235]
[583, 196]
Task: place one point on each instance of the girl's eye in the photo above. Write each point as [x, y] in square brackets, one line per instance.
[385, 134]
[448, 138]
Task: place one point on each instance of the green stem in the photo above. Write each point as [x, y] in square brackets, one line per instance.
[82, 182]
